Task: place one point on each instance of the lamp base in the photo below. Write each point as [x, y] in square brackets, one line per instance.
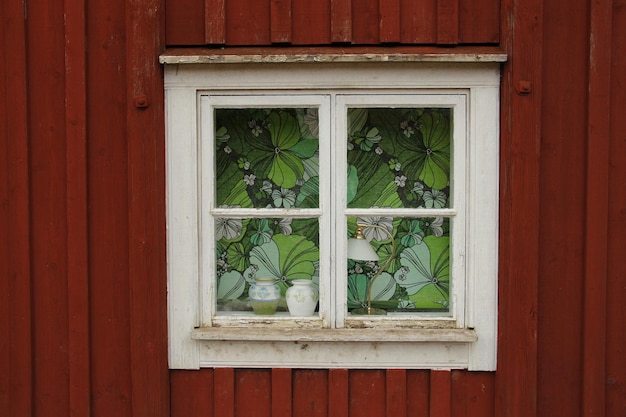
[369, 311]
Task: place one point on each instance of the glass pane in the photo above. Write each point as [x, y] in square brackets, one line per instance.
[399, 157]
[280, 249]
[417, 277]
[267, 157]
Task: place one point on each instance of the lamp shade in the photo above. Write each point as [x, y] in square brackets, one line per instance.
[360, 249]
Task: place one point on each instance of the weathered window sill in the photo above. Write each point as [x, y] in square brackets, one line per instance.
[335, 335]
[330, 55]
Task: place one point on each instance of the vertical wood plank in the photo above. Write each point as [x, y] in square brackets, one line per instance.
[77, 241]
[340, 21]
[559, 339]
[338, 392]
[253, 392]
[472, 394]
[247, 22]
[440, 393]
[282, 392]
[185, 22]
[616, 280]
[215, 21]
[311, 22]
[146, 215]
[519, 257]
[389, 21]
[479, 21]
[16, 389]
[447, 22]
[46, 108]
[224, 392]
[418, 21]
[418, 387]
[108, 210]
[597, 206]
[310, 393]
[396, 390]
[191, 393]
[280, 17]
[367, 393]
[365, 22]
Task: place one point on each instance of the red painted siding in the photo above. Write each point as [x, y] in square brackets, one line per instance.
[363, 22]
[82, 222]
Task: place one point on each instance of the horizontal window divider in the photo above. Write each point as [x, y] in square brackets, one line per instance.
[334, 335]
[400, 212]
[265, 212]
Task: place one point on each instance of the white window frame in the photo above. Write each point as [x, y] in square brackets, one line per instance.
[466, 339]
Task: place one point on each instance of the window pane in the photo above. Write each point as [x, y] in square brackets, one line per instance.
[399, 157]
[282, 249]
[418, 277]
[267, 157]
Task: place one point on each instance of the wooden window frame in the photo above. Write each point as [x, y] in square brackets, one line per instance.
[466, 341]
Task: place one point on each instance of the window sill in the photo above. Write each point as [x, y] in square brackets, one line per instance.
[335, 335]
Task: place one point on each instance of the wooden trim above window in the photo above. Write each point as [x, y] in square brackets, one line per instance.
[339, 55]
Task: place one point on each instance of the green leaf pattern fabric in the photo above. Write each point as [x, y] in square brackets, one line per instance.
[401, 158]
[265, 158]
[397, 158]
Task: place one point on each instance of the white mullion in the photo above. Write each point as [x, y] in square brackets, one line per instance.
[339, 215]
[326, 239]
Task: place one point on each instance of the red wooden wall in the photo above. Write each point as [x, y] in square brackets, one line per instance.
[82, 253]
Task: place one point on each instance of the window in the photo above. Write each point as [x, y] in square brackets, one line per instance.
[271, 167]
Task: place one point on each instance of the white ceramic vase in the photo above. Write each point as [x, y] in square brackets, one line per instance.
[301, 297]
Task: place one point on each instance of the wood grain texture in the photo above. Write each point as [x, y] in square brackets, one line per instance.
[616, 279]
[447, 22]
[224, 392]
[440, 393]
[597, 209]
[253, 392]
[312, 22]
[367, 393]
[389, 12]
[365, 22]
[519, 238]
[107, 155]
[418, 21]
[310, 392]
[77, 210]
[187, 24]
[282, 392]
[341, 21]
[215, 21]
[48, 202]
[338, 393]
[191, 393]
[559, 339]
[16, 385]
[248, 22]
[280, 21]
[146, 210]
[479, 21]
[396, 390]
